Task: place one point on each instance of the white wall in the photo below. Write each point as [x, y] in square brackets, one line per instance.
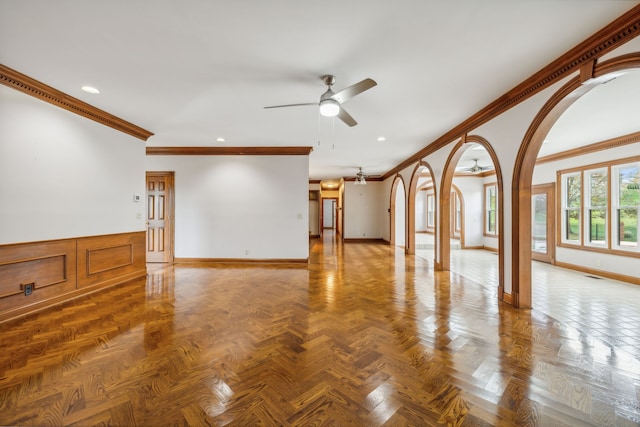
[421, 211]
[363, 210]
[64, 176]
[471, 189]
[252, 207]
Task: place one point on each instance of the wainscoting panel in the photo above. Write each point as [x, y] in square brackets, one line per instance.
[37, 275]
[33, 273]
[104, 260]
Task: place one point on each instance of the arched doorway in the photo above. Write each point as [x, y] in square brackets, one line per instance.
[422, 211]
[593, 75]
[398, 213]
[490, 204]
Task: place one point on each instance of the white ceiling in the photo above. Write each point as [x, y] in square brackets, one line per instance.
[192, 71]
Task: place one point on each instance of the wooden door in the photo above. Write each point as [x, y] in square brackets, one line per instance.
[542, 223]
[160, 216]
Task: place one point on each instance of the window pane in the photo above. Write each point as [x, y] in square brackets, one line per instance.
[492, 198]
[628, 221]
[629, 185]
[430, 210]
[539, 224]
[598, 187]
[491, 208]
[491, 226]
[572, 228]
[597, 225]
[573, 191]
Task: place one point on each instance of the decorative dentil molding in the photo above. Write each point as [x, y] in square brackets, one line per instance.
[30, 86]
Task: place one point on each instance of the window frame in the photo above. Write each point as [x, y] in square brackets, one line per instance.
[615, 206]
[588, 207]
[431, 210]
[486, 210]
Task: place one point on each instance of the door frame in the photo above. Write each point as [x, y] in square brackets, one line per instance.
[170, 211]
[550, 190]
[335, 214]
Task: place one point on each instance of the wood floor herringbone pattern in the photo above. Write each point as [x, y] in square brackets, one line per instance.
[361, 336]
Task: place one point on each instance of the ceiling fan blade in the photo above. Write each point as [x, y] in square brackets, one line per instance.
[346, 117]
[293, 105]
[346, 94]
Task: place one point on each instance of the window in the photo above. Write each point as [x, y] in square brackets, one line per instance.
[571, 207]
[600, 206]
[458, 214]
[490, 209]
[626, 204]
[596, 207]
[431, 211]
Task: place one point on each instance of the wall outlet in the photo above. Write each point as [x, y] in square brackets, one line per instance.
[27, 288]
[246, 251]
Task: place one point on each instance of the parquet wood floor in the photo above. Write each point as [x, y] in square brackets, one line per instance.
[361, 336]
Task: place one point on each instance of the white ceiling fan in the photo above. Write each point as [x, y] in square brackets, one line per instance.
[476, 168]
[331, 103]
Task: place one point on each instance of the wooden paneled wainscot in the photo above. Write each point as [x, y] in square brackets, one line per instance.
[36, 275]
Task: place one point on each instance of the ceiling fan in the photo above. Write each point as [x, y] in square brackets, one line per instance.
[476, 168]
[361, 178]
[331, 103]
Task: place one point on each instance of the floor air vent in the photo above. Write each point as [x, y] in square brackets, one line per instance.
[594, 277]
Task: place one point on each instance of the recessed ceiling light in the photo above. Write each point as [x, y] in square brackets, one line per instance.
[381, 139]
[90, 89]
[219, 139]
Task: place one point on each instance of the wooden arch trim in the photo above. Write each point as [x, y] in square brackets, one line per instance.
[525, 163]
[397, 180]
[411, 205]
[26, 84]
[445, 204]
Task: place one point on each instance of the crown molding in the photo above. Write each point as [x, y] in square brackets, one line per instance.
[26, 84]
[609, 38]
[229, 151]
[631, 138]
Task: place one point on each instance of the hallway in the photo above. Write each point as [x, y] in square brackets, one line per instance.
[363, 335]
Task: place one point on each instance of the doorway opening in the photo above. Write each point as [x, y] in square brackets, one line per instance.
[329, 213]
[160, 217]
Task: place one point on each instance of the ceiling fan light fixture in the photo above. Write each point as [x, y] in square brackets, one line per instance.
[329, 107]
